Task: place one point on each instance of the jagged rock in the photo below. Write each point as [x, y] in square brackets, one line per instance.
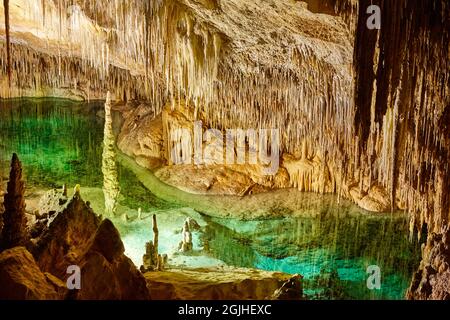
[152, 260]
[432, 280]
[21, 278]
[290, 290]
[107, 241]
[67, 237]
[14, 231]
[52, 201]
[106, 273]
[77, 236]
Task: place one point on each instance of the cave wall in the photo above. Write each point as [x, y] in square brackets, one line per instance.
[402, 100]
[372, 106]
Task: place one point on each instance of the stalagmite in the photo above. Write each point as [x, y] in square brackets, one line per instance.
[111, 189]
[185, 244]
[155, 237]
[152, 260]
[14, 231]
[359, 108]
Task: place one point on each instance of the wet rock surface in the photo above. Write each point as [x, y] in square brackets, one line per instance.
[226, 283]
[432, 280]
[290, 290]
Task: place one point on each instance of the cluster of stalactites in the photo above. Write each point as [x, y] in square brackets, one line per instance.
[408, 147]
[174, 57]
[36, 73]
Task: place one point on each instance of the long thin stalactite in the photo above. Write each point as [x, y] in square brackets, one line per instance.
[8, 40]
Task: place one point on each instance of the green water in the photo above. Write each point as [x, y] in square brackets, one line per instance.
[60, 141]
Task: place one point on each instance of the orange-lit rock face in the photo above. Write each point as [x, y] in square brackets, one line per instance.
[22, 279]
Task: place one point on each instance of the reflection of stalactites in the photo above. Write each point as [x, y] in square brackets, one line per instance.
[8, 40]
[111, 188]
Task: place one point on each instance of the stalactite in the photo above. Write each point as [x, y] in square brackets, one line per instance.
[379, 124]
[8, 41]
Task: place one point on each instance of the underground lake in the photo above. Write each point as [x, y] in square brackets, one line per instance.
[332, 245]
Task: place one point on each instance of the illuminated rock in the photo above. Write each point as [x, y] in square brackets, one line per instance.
[21, 278]
[185, 244]
[111, 188]
[14, 231]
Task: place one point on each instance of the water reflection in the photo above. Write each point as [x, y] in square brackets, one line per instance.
[57, 140]
[332, 252]
[60, 142]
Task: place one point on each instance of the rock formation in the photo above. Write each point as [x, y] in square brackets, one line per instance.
[21, 278]
[152, 260]
[219, 284]
[77, 236]
[111, 188]
[14, 232]
[432, 280]
[364, 113]
[290, 290]
[227, 60]
[185, 244]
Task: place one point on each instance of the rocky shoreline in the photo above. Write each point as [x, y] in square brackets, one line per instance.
[71, 234]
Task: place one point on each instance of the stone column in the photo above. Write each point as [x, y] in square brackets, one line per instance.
[111, 187]
[14, 220]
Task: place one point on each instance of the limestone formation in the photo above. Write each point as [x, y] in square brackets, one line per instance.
[152, 260]
[148, 260]
[226, 283]
[364, 113]
[52, 201]
[290, 290]
[432, 280]
[185, 244]
[227, 61]
[14, 232]
[77, 236]
[111, 188]
[21, 278]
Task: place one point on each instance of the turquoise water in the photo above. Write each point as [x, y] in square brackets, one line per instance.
[60, 141]
[332, 252]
